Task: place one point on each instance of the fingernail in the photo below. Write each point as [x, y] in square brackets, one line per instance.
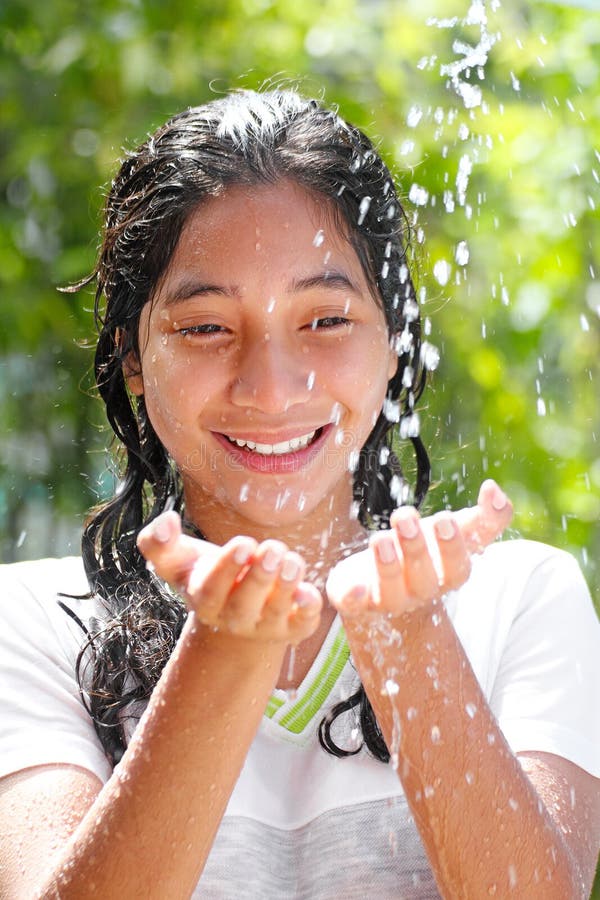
[304, 599]
[161, 531]
[355, 600]
[271, 559]
[445, 528]
[289, 569]
[242, 553]
[407, 524]
[385, 549]
[499, 499]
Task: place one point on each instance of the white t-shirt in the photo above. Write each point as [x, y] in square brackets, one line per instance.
[302, 823]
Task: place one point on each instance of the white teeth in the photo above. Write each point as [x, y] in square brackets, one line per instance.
[282, 447]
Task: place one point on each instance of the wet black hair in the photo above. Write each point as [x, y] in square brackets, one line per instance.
[243, 138]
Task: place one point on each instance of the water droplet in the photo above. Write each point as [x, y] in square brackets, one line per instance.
[418, 195]
[430, 356]
[435, 734]
[282, 499]
[471, 709]
[442, 271]
[244, 491]
[318, 238]
[411, 712]
[271, 306]
[353, 457]
[363, 209]
[410, 311]
[469, 777]
[390, 688]
[410, 426]
[310, 381]
[462, 254]
[391, 410]
[415, 114]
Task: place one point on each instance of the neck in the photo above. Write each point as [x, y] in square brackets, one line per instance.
[323, 538]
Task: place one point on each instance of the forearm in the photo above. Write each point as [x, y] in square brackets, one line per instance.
[150, 830]
[482, 824]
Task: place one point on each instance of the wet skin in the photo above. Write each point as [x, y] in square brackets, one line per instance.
[264, 329]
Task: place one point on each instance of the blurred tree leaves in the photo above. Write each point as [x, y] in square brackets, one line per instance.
[504, 196]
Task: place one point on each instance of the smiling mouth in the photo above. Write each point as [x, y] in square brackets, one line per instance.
[279, 449]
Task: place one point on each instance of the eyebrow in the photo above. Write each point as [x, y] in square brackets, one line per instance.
[332, 280]
[192, 288]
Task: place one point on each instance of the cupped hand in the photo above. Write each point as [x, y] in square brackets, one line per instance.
[419, 559]
[245, 588]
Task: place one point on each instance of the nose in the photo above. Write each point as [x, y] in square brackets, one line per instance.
[270, 377]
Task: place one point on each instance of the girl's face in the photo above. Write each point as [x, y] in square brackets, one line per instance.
[264, 359]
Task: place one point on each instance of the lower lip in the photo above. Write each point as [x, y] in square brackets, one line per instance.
[274, 463]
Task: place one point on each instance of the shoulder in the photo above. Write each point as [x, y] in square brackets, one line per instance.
[31, 594]
[522, 593]
[43, 576]
[514, 573]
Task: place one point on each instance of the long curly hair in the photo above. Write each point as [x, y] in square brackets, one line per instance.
[244, 138]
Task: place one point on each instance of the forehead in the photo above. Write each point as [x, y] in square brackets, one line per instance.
[266, 222]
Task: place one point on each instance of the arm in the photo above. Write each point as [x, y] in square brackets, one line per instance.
[479, 814]
[148, 832]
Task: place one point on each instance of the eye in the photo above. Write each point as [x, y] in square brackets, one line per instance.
[207, 328]
[328, 322]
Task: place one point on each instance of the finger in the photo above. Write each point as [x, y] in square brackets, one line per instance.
[171, 553]
[353, 601]
[454, 558]
[249, 595]
[291, 572]
[391, 592]
[213, 578]
[420, 575]
[305, 612]
[482, 524]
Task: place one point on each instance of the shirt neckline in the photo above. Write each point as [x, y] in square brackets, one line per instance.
[294, 710]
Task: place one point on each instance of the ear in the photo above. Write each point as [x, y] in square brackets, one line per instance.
[132, 372]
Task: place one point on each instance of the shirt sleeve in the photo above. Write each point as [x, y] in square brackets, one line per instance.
[545, 694]
[43, 719]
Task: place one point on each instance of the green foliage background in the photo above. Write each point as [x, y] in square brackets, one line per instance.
[517, 326]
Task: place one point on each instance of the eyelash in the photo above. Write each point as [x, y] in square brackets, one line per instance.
[334, 322]
[324, 322]
[207, 329]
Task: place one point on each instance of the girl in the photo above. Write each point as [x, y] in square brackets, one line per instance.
[275, 701]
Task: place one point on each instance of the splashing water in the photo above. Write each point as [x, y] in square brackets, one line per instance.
[462, 254]
[365, 203]
[442, 271]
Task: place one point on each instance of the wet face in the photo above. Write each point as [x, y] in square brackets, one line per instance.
[264, 359]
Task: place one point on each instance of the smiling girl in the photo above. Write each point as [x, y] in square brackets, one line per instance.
[268, 676]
